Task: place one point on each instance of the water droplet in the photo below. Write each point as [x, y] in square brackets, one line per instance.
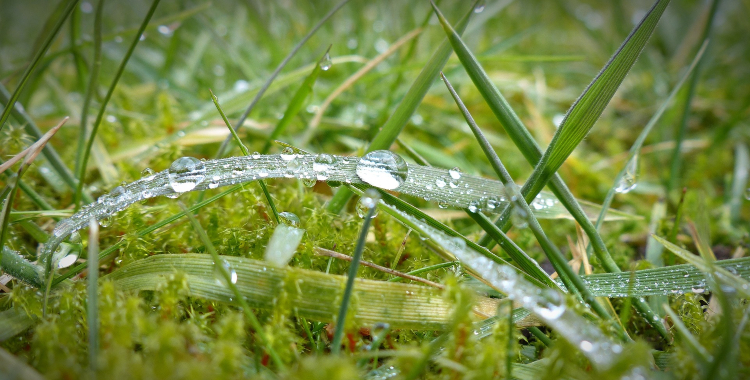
[479, 8]
[629, 178]
[147, 172]
[455, 173]
[288, 218]
[74, 238]
[552, 307]
[309, 182]
[256, 155]
[440, 183]
[68, 260]
[747, 193]
[220, 279]
[185, 173]
[172, 196]
[586, 346]
[165, 30]
[322, 164]
[383, 169]
[105, 222]
[288, 154]
[326, 62]
[366, 202]
[333, 184]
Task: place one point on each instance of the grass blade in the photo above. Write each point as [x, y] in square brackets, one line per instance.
[93, 83]
[92, 303]
[636, 147]
[298, 101]
[35, 61]
[373, 197]
[276, 72]
[533, 154]
[103, 107]
[230, 282]
[586, 110]
[243, 148]
[397, 121]
[569, 278]
[676, 162]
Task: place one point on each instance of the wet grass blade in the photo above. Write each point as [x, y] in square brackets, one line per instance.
[297, 103]
[533, 154]
[276, 72]
[35, 61]
[103, 107]
[570, 279]
[244, 150]
[231, 284]
[405, 109]
[353, 268]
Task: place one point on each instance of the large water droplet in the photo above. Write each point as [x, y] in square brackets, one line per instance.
[68, 260]
[383, 169]
[553, 307]
[288, 218]
[479, 8]
[326, 62]
[185, 173]
[629, 178]
[366, 202]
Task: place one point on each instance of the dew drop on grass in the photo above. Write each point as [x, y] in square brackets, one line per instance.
[185, 173]
[479, 8]
[366, 202]
[309, 182]
[288, 154]
[455, 173]
[322, 164]
[747, 193]
[147, 172]
[383, 169]
[68, 260]
[518, 217]
[333, 184]
[629, 178]
[220, 279]
[255, 155]
[289, 219]
[326, 62]
[105, 222]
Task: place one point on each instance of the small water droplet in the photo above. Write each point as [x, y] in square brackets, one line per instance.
[629, 178]
[172, 196]
[288, 154]
[366, 202]
[479, 8]
[747, 193]
[147, 172]
[322, 164]
[220, 279]
[288, 218]
[383, 169]
[105, 222]
[455, 173]
[440, 183]
[256, 155]
[185, 173]
[333, 184]
[309, 182]
[326, 62]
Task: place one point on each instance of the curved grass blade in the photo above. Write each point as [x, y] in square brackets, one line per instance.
[276, 72]
[397, 121]
[35, 61]
[317, 296]
[103, 107]
[531, 151]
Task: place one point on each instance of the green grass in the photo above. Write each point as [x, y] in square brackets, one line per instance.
[163, 290]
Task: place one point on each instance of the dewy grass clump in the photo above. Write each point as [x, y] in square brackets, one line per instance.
[168, 253]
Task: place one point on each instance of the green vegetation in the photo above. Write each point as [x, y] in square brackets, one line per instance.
[386, 138]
